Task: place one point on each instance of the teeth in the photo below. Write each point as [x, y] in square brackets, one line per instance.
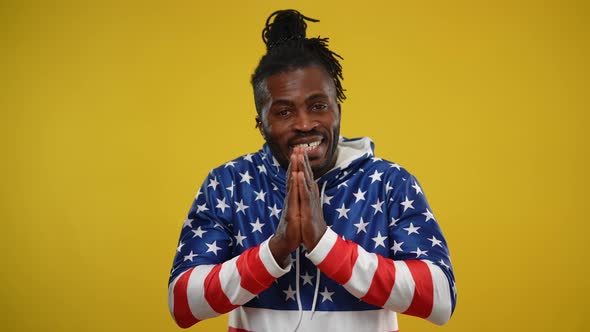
[309, 146]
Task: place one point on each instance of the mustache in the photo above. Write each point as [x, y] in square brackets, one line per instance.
[312, 133]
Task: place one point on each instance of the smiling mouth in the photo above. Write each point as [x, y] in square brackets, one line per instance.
[308, 146]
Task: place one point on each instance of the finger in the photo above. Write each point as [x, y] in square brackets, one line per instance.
[303, 193]
[293, 197]
[308, 171]
[289, 177]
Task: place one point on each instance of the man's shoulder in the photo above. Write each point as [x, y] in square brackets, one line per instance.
[240, 165]
[386, 168]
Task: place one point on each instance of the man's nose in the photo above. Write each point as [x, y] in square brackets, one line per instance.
[304, 121]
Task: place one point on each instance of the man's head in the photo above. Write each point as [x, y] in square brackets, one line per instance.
[297, 92]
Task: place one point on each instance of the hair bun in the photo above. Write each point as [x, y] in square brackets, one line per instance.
[286, 25]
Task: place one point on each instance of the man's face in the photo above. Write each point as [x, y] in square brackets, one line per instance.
[302, 111]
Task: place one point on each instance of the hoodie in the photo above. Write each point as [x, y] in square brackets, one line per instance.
[382, 254]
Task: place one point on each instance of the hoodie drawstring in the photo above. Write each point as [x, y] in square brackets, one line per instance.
[298, 274]
[317, 279]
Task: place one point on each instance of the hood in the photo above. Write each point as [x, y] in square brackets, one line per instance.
[352, 154]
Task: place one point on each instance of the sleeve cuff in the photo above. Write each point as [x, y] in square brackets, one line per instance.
[321, 250]
[269, 261]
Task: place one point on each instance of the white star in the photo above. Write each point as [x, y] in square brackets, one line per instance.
[454, 289]
[198, 232]
[376, 176]
[261, 169]
[326, 295]
[231, 189]
[240, 238]
[213, 183]
[257, 226]
[275, 162]
[435, 241]
[259, 195]
[327, 199]
[230, 163]
[248, 157]
[274, 187]
[388, 187]
[198, 194]
[394, 165]
[362, 226]
[307, 278]
[202, 208]
[246, 177]
[393, 221]
[213, 247]
[374, 159]
[412, 229]
[417, 188]
[397, 246]
[221, 204]
[189, 257]
[428, 215]
[379, 240]
[377, 206]
[274, 211]
[345, 184]
[443, 263]
[343, 212]
[407, 204]
[187, 222]
[360, 195]
[180, 245]
[419, 252]
[290, 294]
[241, 206]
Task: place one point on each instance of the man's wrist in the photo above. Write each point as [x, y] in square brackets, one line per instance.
[279, 251]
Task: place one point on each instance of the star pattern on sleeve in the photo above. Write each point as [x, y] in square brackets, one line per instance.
[343, 212]
[428, 215]
[221, 204]
[274, 211]
[257, 226]
[213, 247]
[241, 207]
[360, 195]
[376, 176]
[361, 226]
[240, 239]
[213, 183]
[407, 204]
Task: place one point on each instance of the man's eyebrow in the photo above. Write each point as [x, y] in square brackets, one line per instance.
[280, 102]
[318, 95]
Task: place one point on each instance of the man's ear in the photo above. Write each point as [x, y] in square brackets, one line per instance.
[259, 126]
[339, 111]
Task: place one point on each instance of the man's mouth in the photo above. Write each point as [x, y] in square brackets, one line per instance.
[308, 146]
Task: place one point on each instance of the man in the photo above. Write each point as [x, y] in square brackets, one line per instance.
[312, 231]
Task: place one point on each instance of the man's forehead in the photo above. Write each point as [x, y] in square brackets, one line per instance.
[305, 82]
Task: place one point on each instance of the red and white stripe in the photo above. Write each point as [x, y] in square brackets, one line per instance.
[413, 287]
[207, 291]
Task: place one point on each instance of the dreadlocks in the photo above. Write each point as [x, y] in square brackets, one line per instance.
[287, 48]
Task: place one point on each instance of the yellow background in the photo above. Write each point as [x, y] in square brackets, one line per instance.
[111, 115]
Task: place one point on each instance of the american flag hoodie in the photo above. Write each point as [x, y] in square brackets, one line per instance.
[383, 252]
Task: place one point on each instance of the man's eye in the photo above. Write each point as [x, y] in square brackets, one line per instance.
[319, 107]
[284, 112]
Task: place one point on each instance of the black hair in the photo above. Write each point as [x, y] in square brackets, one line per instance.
[287, 48]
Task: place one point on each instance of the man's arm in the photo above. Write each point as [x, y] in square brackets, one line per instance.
[206, 280]
[409, 282]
